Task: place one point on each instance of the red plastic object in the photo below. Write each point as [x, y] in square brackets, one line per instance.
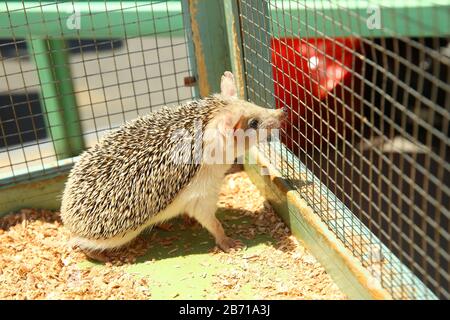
[310, 76]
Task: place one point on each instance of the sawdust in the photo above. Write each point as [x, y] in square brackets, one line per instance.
[36, 261]
[307, 278]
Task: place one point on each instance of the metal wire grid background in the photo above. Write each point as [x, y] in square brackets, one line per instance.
[369, 128]
[113, 79]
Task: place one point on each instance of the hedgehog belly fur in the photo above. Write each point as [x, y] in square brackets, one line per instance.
[203, 188]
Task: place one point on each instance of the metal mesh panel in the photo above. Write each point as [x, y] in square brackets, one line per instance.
[367, 140]
[70, 71]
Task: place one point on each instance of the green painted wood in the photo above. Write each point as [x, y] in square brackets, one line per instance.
[39, 186]
[233, 28]
[41, 51]
[256, 38]
[90, 19]
[57, 96]
[338, 18]
[309, 18]
[37, 172]
[41, 193]
[66, 96]
[190, 45]
[209, 38]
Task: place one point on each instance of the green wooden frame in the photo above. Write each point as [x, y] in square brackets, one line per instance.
[117, 19]
[97, 19]
[209, 39]
[57, 95]
[43, 192]
[411, 18]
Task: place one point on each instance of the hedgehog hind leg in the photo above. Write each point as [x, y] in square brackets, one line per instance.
[205, 213]
[213, 225]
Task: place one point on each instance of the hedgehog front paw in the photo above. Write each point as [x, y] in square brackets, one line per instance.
[227, 243]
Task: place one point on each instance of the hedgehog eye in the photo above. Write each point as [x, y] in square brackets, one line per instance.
[253, 123]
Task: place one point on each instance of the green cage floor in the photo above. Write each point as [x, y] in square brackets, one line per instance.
[180, 262]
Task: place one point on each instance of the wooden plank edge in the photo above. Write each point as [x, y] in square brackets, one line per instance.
[44, 193]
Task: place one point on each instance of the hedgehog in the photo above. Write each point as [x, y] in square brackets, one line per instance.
[158, 166]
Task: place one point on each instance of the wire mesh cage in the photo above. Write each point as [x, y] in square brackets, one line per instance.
[367, 141]
[366, 85]
[87, 67]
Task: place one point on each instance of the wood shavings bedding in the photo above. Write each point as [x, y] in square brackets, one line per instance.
[36, 261]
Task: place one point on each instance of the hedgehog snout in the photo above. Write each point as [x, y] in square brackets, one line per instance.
[275, 119]
[282, 114]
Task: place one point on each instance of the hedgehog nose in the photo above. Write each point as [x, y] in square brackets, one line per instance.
[285, 111]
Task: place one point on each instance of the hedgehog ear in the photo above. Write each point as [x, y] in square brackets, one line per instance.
[227, 85]
[230, 121]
